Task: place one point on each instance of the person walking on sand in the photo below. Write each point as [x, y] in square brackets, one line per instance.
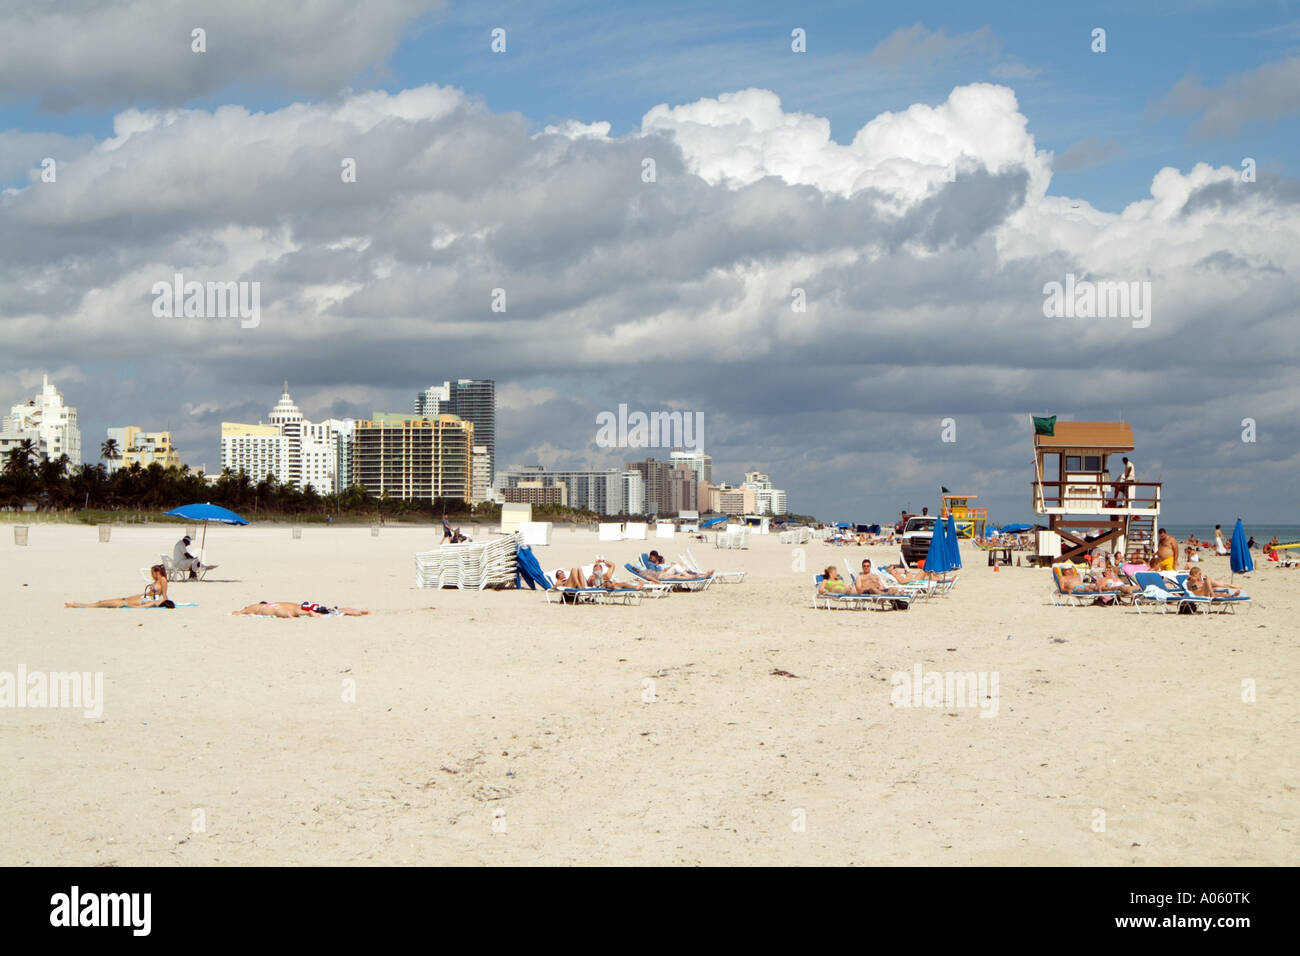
[154, 594]
[446, 529]
[1220, 546]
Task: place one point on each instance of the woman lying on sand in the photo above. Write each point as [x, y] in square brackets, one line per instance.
[154, 594]
[294, 609]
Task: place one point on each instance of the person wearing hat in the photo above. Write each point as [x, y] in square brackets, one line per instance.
[182, 558]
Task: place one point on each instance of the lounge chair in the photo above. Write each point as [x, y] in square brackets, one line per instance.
[681, 584]
[177, 573]
[1164, 592]
[918, 589]
[1225, 603]
[723, 577]
[899, 602]
[1060, 596]
[556, 595]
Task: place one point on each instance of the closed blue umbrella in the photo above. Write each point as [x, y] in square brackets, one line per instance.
[939, 558]
[206, 513]
[1239, 557]
[954, 552]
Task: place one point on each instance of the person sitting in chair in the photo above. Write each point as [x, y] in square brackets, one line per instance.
[184, 561]
[1202, 585]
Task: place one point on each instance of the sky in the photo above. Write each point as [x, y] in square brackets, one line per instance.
[655, 189]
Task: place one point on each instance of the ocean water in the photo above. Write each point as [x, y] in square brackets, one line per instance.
[1260, 532]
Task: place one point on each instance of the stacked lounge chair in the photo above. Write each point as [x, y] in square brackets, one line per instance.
[471, 565]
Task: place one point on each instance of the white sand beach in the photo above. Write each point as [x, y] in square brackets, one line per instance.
[492, 728]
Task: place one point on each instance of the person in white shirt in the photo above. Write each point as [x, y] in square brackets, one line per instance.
[182, 558]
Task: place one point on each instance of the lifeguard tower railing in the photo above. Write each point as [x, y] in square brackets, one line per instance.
[969, 521]
[1100, 496]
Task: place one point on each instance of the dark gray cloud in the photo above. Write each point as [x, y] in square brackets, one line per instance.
[924, 297]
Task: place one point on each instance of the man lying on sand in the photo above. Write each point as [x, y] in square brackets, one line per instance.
[294, 609]
[154, 594]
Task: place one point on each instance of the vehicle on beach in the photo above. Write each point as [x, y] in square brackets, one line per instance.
[917, 533]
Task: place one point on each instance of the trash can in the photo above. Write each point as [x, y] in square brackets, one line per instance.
[20, 534]
[104, 531]
[374, 531]
[297, 533]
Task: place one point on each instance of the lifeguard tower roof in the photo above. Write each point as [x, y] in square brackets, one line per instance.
[1109, 436]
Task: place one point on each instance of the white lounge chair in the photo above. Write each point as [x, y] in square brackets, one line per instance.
[725, 577]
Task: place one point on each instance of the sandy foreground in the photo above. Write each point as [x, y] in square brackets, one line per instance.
[490, 727]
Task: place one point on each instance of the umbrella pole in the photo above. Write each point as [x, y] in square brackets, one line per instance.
[204, 541]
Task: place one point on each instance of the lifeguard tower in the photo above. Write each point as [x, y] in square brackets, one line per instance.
[968, 520]
[1074, 490]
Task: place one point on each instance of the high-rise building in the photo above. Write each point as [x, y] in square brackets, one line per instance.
[471, 399]
[137, 446]
[655, 476]
[536, 494]
[633, 493]
[314, 452]
[256, 450]
[770, 501]
[49, 424]
[598, 491]
[683, 491]
[401, 456]
[482, 474]
[698, 462]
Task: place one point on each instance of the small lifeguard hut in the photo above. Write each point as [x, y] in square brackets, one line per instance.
[1074, 490]
[968, 520]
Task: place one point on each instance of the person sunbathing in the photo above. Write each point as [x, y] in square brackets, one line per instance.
[832, 583]
[604, 572]
[573, 578]
[294, 609]
[153, 595]
[910, 575]
[1202, 585]
[1108, 580]
[868, 582]
[676, 572]
[1071, 583]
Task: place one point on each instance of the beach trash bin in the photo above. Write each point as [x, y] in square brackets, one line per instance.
[104, 531]
[297, 533]
[20, 534]
[374, 531]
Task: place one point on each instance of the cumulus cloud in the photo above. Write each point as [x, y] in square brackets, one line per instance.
[921, 247]
[81, 53]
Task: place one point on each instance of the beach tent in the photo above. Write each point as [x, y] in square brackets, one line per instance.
[939, 558]
[1239, 557]
[712, 521]
[1016, 528]
[954, 550]
[205, 513]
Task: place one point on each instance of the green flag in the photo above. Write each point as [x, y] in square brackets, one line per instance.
[1044, 426]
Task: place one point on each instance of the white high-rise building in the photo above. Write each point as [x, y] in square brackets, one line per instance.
[306, 453]
[45, 420]
[770, 501]
[633, 493]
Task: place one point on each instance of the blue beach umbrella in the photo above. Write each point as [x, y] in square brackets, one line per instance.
[1239, 556]
[206, 513]
[954, 551]
[939, 558]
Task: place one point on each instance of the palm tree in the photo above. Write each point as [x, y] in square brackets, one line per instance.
[110, 452]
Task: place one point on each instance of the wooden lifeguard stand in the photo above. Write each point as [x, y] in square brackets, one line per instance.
[969, 521]
[1073, 489]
